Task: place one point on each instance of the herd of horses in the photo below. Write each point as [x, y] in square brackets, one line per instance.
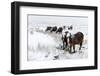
[69, 40]
[58, 30]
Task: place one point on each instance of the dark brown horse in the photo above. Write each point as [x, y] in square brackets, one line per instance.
[75, 39]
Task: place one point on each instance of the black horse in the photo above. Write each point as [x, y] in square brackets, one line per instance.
[60, 29]
[70, 27]
[48, 28]
[53, 29]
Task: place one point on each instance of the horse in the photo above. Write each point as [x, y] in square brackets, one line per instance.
[48, 28]
[60, 29]
[70, 27]
[53, 29]
[65, 39]
[75, 39]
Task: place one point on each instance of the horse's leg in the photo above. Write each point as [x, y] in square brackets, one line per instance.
[63, 45]
[66, 45]
[74, 48]
[80, 46]
[70, 48]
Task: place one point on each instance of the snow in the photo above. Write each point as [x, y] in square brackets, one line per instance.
[47, 46]
[40, 40]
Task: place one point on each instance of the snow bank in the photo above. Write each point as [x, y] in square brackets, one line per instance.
[40, 41]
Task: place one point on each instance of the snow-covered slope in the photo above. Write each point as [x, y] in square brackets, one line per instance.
[47, 46]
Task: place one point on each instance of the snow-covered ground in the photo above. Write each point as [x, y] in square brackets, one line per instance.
[47, 46]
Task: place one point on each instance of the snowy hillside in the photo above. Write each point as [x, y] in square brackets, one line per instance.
[47, 46]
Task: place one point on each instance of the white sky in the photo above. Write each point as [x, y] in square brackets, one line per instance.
[57, 20]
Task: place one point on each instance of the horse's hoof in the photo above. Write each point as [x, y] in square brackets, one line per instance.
[83, 47]
[56, 57]
[74, 52]
[70, 52]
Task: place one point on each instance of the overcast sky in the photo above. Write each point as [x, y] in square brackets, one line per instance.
[57, 20]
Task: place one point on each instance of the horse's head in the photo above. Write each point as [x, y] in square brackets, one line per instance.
[64, 27]
[66, 35]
